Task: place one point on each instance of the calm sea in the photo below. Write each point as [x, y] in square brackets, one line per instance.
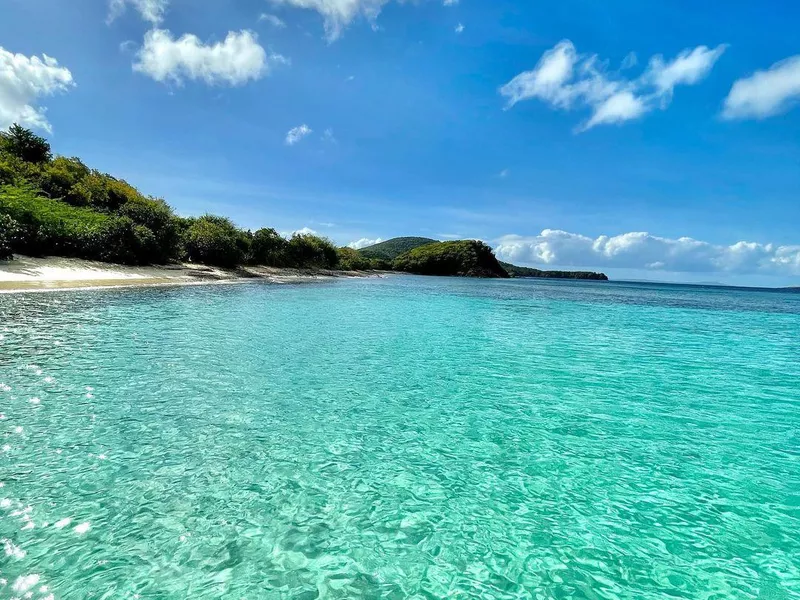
[401, 438]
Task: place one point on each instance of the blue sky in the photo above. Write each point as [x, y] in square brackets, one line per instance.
[419, 127]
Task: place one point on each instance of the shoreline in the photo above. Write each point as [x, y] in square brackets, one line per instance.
[28, 274]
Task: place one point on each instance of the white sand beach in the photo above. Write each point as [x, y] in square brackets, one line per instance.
[26, 273]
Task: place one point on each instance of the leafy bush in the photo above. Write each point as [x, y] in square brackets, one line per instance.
[59, 177]
[215, 241]
[353, 260]
[269, 248]
[51, 227]
[155, 215]
[311, 252]
[9, 230]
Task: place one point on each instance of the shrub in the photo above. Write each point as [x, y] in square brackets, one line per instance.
[352, 260]
[60, 176]
[9, 229]
[269, 248]
[311, 252]
[158, 218]
[51, 227]
[216, 241]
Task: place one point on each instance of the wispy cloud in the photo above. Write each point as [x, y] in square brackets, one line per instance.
[328, 136]
[459, 28]
[234, 61]
[150, 10]
[273, 20]
[765, 93]
[504, 173]
[23, 81]
[640, 250]
[296, 134]
[338, 14]
[567, 80]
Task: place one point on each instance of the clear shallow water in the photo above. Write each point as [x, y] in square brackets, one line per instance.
[401, 438]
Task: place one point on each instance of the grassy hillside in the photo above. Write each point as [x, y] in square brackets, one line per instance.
[391, 249]
[464, 258]
[516, 271]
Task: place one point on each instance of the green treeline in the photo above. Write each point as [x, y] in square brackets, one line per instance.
[516, 271]
[57, 206]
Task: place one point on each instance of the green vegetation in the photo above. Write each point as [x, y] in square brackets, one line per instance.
[58, 206]
[516, 271]
[391, 249]
[463, 258]
[9, 229]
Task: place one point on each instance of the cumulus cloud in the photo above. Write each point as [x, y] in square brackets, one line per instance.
[298, 133]
[338, 14]
[363, 243]
[459, 28]
[640, 250]
[765, 93]
[150, 10]
[276, 22]
[234, 61]
[23, 80]
[303, 231]
[567, 80]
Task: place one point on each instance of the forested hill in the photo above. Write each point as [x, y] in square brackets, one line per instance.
[461, 258]
[516, 271]
[391, 249]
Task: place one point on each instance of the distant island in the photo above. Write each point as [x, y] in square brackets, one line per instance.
[57, 206]
[523, 272]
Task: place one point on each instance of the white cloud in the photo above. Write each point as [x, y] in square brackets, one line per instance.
[23, 80]
[450, 2]
[338, 14]
[328, 136]
[639, 250]
[363, 243]
[150, 10]
[303, 231]
[765, 93]
[234, 61]
[630, 61]
[276, 22]
[459, 28]
[567, 80]
[297, 133]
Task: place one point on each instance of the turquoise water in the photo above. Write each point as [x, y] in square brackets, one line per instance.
[400, 438]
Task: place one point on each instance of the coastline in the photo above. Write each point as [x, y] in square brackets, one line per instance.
[30, 274]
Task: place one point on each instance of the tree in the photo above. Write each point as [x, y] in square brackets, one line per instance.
[312, 252]
[214, 240]
[269, 248]
[25, 144]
